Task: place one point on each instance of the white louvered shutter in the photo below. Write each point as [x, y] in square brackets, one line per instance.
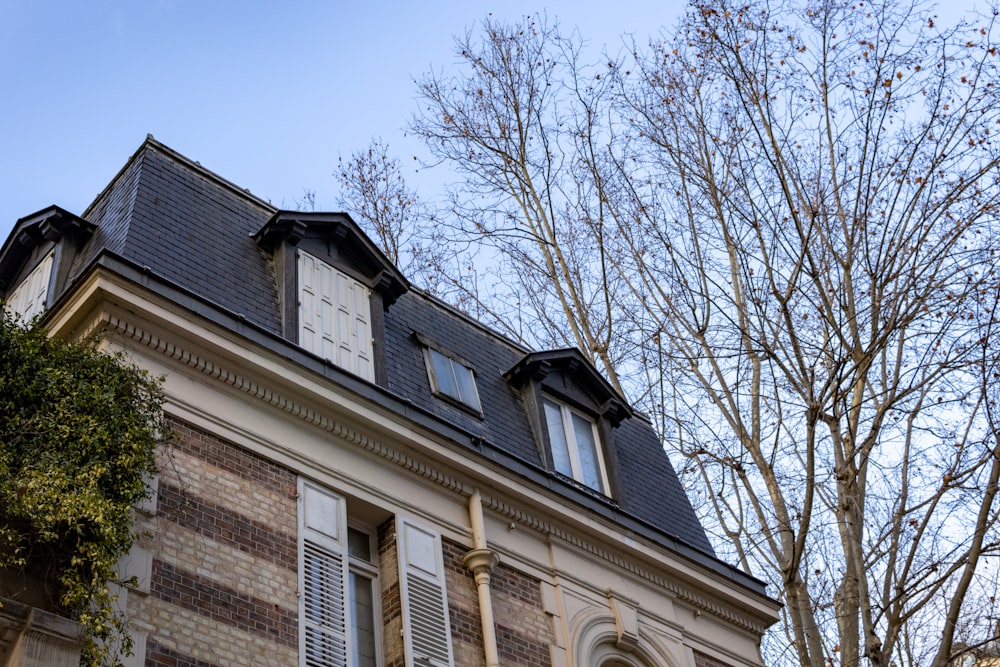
[324, 632]
[335, 316]
[354, 329]
[29, 299]
[424, 600]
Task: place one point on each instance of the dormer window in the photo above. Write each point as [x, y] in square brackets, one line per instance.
[573, 411]
[36, 258]
[574, 444]
[30, 298]
[335, 316]
[334, 286]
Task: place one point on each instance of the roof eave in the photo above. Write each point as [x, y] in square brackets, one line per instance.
[50, 224]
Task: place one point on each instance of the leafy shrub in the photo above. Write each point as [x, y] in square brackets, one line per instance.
[78, 434]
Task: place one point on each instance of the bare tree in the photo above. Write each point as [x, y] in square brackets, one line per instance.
[516, 124]
[374, 190]
[410, 233]
[776, 230]
[816, 254]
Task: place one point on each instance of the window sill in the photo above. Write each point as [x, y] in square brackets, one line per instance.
[580, 486]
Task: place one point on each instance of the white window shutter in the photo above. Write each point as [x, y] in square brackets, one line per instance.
[308, 309]
[324, 627]
[361, 328]
[335, 316]
[325, 310]
[29, 299]
[424, 596]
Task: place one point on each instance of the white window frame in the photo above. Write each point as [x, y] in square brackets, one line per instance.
[335, 319]
[368, 569]
[31, 297]
[470, 398]
[577, 472]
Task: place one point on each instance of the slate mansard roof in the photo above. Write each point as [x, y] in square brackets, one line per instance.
[194, 237]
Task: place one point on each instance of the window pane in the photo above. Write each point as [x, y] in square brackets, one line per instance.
[583, 429]
[467, 385]
[359, 545]
[557, 438]
[444, 376]
[363, 620]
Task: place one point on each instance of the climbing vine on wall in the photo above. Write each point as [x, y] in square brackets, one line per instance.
[78, 433]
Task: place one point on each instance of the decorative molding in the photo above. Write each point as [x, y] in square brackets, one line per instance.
[626, 613]
[683, 593]
[111, 322]
[251, 387]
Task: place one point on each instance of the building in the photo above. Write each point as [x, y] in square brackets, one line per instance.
[985, 654]
[358, 474]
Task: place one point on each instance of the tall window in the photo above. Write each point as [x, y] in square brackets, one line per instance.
[339, 613]
[575, 445]
[364, 598]
[452, 378]
[335, 316]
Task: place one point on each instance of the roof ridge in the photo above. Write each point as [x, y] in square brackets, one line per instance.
[208, 173]
[152, 143]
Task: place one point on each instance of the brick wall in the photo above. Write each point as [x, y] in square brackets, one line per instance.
[524, 632]
[223, 540]
[463, 607]
[223, 585]
[392, 614]
[702, 660]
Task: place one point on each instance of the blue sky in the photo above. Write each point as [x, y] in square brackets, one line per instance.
[267, 97]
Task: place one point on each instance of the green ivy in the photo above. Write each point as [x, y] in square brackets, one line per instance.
[78, 434]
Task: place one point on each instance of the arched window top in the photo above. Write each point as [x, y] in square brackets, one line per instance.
[607, 655]
[599, 643]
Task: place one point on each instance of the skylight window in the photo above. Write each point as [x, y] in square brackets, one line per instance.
[452, 379]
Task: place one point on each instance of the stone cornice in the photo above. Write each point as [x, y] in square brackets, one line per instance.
[680, 592]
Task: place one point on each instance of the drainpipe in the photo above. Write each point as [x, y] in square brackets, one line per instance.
[481, 561]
